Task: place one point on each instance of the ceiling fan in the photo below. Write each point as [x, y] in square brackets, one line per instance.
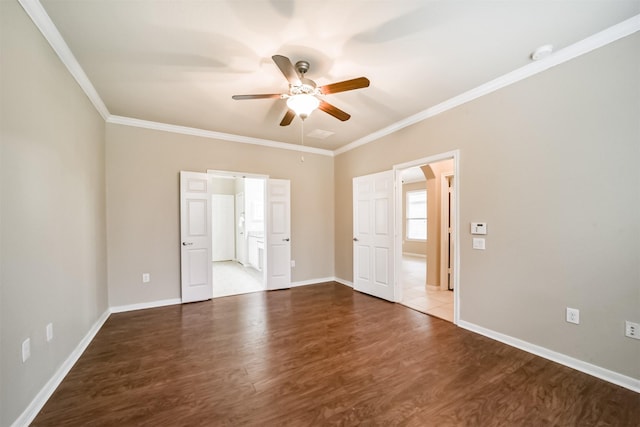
[304, 95]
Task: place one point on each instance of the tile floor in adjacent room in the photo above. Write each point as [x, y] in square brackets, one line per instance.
[426, 299]
[232, 278]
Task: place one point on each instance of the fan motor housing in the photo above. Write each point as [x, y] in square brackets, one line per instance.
[308, 86]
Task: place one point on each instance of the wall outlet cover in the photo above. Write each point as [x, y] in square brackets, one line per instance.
[632, 330]
[573, 315]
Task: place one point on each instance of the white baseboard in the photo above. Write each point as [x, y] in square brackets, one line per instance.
[143, 305]
[343, 282]
[415, 255]
[312, 281]
[45, 393]
[630, 383]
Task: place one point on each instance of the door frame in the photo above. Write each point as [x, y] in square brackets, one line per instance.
[445, 210]
[455, 155]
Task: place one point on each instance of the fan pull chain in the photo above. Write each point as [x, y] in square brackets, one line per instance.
[302, 138]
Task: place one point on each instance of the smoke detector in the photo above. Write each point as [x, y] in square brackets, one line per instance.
[542, 52]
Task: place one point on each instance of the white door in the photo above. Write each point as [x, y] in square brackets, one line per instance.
[373, 235]
[241, 237]
[223, 227]
[195, 236]
[278, 232]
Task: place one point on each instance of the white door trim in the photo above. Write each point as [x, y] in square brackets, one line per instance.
[232, 174]
[444, 229]
[455, 155]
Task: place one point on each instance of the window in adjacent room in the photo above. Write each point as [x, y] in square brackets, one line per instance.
[416, 213]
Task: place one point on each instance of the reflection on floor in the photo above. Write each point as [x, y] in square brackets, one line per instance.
[231, 278]
[414, 295]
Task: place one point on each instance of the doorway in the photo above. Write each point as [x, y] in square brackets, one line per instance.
[237, 234]
[425, 243]
[196, 235]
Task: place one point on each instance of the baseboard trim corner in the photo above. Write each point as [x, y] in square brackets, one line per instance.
[38, 402]
[627, 382]
[343, 282]
[144, 305]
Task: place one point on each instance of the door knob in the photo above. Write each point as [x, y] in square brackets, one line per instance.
[187, 243]
[285, 240]
[355, 239]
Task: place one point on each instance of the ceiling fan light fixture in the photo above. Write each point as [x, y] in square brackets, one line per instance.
[303, 104]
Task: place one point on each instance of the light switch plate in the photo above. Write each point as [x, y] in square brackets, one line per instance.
[49, 331]
[26, 349]
[478, 243]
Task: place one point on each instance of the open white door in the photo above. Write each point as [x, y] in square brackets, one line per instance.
[278, 233]
[373, 225]
[195, 236]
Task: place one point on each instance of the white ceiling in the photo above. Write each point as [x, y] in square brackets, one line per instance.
[179, 62]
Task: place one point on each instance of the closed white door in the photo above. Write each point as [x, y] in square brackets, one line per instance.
[223, 227]
[241, 237]
[195, 236]
[373, 235]
[278, 232]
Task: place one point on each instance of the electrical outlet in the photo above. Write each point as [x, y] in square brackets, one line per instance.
[146, 277]
[49, 332]
[293, 263]
[573, 315]
[632, 330]
[26, 349]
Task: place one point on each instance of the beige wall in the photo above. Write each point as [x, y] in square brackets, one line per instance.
[411, 246]
[143, 206]
[551, 164]
[223, 186]
[53, 249]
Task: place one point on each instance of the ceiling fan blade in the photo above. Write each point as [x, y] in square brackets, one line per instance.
[352, 84]
[288, 117]
[334, 111]
[265, 96]
[287, 69]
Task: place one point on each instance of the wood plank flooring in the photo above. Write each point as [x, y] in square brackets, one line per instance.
[318, 355]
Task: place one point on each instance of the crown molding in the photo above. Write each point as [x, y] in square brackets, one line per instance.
[41, 19]
[184, 130]
[607, 36]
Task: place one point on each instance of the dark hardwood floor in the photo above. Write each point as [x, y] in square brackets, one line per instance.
[318, 355]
